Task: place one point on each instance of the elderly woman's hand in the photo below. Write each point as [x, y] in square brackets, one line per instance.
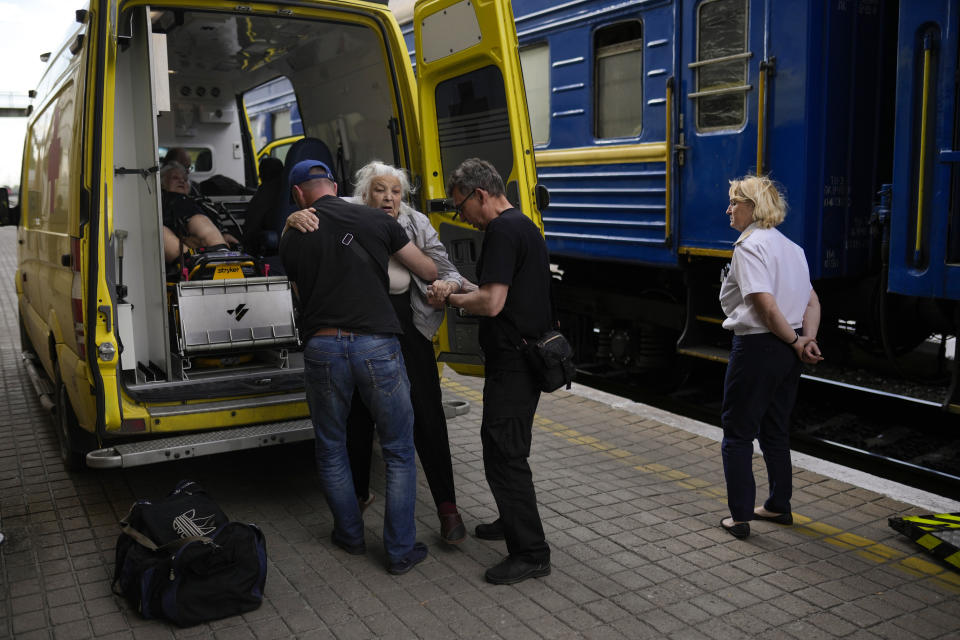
[439, 290]
[304, 221]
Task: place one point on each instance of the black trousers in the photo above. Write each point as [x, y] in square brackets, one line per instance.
[510, 400]
[429, 422]
[759, 392]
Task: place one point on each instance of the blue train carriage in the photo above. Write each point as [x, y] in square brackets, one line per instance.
[642, 111]
[920, 210]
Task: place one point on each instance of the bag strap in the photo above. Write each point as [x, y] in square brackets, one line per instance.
[363, 253]
[187, 487]
[509, 327]
[173, 545]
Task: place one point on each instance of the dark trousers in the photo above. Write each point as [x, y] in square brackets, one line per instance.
[510, 400]
[429, 422]
[759, 391]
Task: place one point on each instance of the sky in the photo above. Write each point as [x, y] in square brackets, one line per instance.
[30, 27]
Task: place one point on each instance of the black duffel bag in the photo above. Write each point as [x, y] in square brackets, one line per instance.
[181, 558]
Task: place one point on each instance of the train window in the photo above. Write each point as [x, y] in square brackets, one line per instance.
[473, 120]
[281, 124]
[535, 62]
[721, 65]
[272, 110]
[618, 52]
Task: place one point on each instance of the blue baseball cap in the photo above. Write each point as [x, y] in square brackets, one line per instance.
[301, 172]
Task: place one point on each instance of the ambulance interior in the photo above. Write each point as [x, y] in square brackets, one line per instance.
[181, 77]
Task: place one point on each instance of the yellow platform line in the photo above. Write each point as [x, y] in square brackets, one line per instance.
[864, 547]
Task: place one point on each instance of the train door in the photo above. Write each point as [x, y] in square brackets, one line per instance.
[721, 50]
[472, 104]
[925, 214]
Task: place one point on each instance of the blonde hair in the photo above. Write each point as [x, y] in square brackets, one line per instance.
[769, 205]
[375, 169]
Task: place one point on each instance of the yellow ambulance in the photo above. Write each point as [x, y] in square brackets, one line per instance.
[138, 367]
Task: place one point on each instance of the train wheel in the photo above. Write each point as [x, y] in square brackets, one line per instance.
[68, 431]
[893, 325]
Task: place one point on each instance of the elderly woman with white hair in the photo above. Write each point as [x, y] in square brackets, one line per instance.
[385, 187]
[774, 314]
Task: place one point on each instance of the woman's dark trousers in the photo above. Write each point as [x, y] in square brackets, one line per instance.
[429, 422]
[759, 392]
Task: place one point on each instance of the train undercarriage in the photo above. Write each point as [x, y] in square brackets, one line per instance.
[641, 324]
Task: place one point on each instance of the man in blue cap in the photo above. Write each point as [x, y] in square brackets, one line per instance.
[339, 272]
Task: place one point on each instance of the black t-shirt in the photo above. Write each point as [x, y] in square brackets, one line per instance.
[515, 254]
[179, 208]
[341, 268]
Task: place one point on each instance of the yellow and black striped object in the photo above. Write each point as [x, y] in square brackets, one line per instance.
[939, 534]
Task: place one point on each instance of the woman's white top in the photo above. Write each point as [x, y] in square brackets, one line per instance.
[764, 261]
[399, 277]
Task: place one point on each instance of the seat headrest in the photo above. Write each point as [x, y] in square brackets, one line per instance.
[270, 168]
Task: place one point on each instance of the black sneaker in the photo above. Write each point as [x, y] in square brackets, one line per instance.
[490, 531]
[416, 555]
[513, 570]
[353, 549]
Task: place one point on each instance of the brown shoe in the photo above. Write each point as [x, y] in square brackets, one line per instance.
[452, 529]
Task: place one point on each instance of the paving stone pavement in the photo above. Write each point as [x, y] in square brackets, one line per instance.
[630, 506]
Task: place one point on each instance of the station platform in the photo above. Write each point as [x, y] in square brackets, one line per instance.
[631, 498]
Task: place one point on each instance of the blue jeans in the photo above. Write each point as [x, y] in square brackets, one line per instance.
[373, 364]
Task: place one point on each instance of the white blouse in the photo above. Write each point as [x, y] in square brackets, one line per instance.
[764, 261]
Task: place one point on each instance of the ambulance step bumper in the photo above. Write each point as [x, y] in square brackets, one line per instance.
[135, 454]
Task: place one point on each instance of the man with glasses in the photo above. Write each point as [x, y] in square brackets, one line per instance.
[513, 301]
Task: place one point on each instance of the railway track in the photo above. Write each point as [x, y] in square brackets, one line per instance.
[909, 440]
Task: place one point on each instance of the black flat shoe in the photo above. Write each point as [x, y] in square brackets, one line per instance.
[739, 530]
[780, 518]
[452, 529]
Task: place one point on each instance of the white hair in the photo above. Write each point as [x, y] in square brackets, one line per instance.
[376, 169]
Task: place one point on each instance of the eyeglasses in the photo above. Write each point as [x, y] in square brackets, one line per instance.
[458, 208]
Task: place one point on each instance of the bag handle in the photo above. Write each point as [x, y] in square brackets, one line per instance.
[145, 541]
[173, 545]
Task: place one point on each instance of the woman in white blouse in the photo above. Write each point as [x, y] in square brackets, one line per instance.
[774, 314]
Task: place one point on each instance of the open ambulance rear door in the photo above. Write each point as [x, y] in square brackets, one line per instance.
[472, 104]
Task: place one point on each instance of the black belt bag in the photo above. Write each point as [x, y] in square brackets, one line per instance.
[549, 357]
[551, 360]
